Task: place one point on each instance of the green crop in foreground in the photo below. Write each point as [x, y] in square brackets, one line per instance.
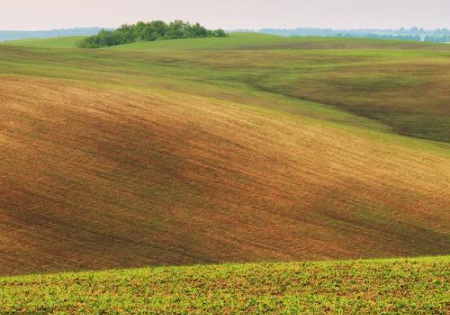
[404, 286]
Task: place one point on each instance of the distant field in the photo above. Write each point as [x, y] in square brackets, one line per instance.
[401, 84]
[57, 42]
[243, 149]
[414, 286]
[256, 41]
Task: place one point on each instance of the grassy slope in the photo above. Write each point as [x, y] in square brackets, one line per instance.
[401, 84]
[241, 41]
[254, 41]
[415, 286]
[56, 42]
[128, 157]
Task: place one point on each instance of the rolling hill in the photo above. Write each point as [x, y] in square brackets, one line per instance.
[54, 42]
[242, 149]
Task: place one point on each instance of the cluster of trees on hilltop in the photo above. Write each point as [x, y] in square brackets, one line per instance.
[151, 31]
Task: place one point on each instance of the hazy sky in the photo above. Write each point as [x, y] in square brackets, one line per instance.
[228, 14]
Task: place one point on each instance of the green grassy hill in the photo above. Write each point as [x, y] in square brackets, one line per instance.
[242, 149]
[56, 42]
[257, 41]
[414, 286]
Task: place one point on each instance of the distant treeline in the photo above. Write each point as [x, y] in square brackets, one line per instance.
[414, 33]
[425, 38]
[147, 32]
[381, 36]
[15, 35]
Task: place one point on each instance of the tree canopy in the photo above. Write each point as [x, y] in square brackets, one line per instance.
[150, 31]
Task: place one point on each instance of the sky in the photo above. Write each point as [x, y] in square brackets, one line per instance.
[226, 14]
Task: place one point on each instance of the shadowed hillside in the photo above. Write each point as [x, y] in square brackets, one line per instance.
[131, 158]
